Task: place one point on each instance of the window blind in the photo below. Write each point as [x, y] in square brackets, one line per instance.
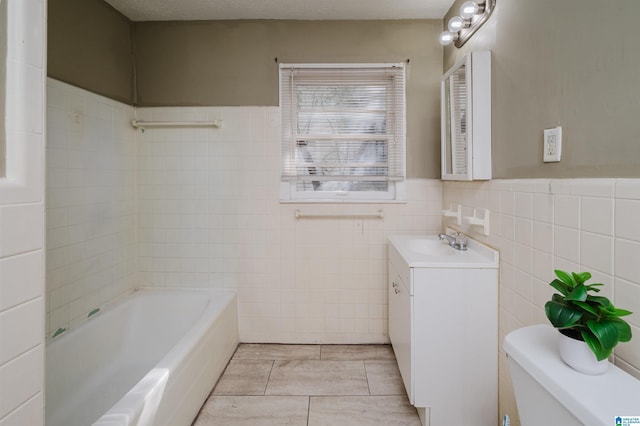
[343, 124]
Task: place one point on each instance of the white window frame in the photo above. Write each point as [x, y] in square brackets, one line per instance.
[24, 90]
[396, 187]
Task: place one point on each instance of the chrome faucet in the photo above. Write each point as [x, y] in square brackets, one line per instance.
[458, 241]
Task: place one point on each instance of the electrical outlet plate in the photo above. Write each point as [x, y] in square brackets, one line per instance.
[552, 146]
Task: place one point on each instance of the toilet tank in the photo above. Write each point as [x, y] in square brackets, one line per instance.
[549, 392]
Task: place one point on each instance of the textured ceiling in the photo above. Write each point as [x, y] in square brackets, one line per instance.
[170, 10]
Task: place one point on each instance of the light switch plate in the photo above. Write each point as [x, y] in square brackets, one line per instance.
[552, 145]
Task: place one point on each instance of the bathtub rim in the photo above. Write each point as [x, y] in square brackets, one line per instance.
[126, 298]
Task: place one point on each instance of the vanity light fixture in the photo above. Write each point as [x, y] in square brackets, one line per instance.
[472, 15]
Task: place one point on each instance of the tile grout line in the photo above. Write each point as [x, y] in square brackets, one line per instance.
[266, 385]
[366, 375]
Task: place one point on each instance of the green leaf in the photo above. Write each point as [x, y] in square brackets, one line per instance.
[579, 293]
[581, 277]
[561, 287]
[620, 312]
[601, 300]
[562, 315]
[565, 278]
[624, 330]
[595, 346]
[605, 331]
[587, 307]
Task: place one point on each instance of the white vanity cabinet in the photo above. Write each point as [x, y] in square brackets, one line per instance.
[443, 325]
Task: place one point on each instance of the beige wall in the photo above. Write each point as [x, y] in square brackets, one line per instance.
[569, 63]
[89, 46]
[232, 63]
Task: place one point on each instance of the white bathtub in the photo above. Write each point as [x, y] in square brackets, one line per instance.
[150, 360]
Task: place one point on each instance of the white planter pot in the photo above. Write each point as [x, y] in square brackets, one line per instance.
[578, 356]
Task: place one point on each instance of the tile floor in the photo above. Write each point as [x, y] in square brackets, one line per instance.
[309, 385]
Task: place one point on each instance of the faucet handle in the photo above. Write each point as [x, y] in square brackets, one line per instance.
[461, 240]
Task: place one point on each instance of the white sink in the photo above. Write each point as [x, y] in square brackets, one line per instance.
[428, 251]
[430, 247]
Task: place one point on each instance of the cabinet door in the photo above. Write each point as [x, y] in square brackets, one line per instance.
[455, 344]
[400, 308]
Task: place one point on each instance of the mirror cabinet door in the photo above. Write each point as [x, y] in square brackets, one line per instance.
[455, 130]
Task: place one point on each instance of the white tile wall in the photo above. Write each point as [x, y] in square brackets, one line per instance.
[90, 203]
[576, 225]
[209, 215]
[22, 219]
[19, 380]
[31, 412]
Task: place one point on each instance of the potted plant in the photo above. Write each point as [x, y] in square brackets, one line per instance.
[588, 324]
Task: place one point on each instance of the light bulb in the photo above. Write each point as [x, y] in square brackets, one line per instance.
[447, 37]
[469, 9]
[456, 24]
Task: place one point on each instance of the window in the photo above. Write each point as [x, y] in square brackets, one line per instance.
[343, 132]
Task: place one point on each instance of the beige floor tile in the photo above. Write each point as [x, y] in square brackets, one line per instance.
[356, 352]
[277, 352]
[384, 378]
[362, 411]
[339, 378]
[244, 377]
[318, 378]
[254, 411]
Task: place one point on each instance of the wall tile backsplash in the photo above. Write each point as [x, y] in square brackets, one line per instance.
[541, 225]
[90, 203]
[209, 215]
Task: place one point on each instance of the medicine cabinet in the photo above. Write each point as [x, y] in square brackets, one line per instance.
[466, 119]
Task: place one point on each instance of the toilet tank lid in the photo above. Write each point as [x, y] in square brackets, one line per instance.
[594, 400]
